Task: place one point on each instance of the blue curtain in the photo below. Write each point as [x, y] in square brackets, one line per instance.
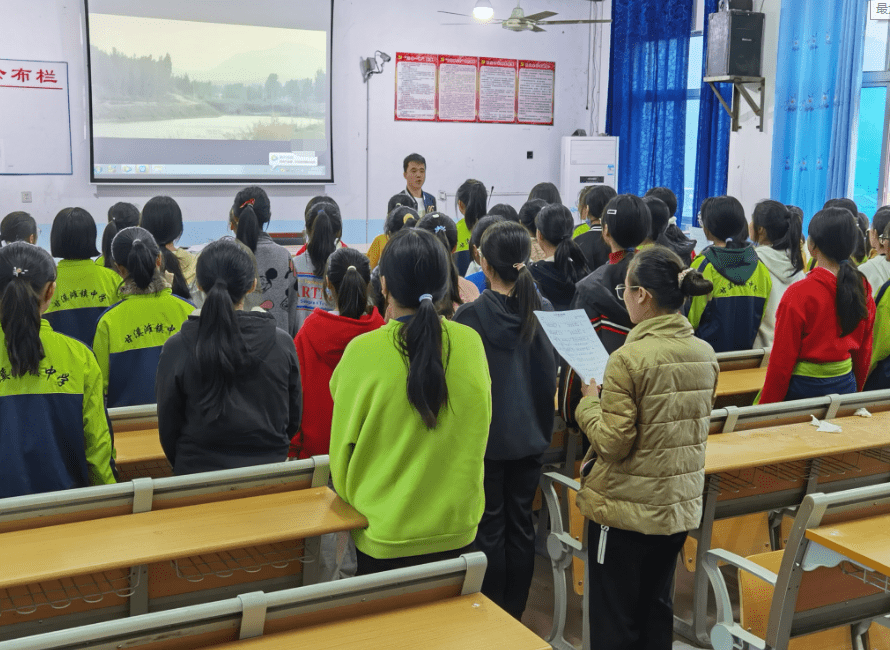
[818, 80]
[647, 93]
[714, 125]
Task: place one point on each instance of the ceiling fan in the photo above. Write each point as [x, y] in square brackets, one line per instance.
[520, 22]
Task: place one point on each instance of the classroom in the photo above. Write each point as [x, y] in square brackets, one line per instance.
[461, 324]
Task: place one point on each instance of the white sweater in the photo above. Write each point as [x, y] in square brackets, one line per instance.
[783, 276]
[877, 272]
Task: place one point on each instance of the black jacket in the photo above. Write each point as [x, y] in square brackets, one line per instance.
[523, 378]
[595, 250]
[254, 425]
[596, 295]
[553, 285]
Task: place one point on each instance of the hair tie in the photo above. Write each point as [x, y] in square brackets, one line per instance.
[519, 266]
[406, 217]
[249, 202]
[672, 221]
[16, 271]
[439, 229]
[426, 296]
[351, 268]
[728, 240]
[844, 261]
[682, 276]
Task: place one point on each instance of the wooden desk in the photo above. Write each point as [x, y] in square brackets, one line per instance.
[138, 447]
[460, 623]
[864, 541]
[120, 542]
[740, 382]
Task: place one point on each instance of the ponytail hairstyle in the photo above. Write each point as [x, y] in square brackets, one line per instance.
[415, 265]
[445, 230]
[661, 272]
[400, 217]
[135, 250]
[226, 271]
[24, 272]
[660, 214]
[475, 199]
[724, 217]
[324, 228]
[504, 210]
[596, 200]
[315, 200]
[506, 248]
[120, 215]
[547, 192]
[73, 235]
[18, 226]
[628, 220]
[556, 225]
[252, 212]
[162, 217]
[529, 212]
[782, 228]
[835, 233]
[349, 273]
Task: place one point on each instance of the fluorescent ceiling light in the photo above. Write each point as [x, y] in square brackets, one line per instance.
[483, 10]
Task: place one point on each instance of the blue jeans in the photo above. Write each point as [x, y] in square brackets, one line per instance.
[801, 387]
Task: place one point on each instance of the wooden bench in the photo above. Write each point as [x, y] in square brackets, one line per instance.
[746, 472]
[434, 606]
[743, 359]
[139, 455]
[110, 551]
[834, 573]
[133, 418]
[739, 387]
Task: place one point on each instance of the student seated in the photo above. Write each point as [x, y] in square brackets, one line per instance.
[120, 215]
[527, 215]
[461, 291]
[564, 264]
[824, 322]
[249, 216]
[595, 250]
[54, 432]
[228, 384]
[484, 223]
[83, 289]
[472, 203]
[673, 237]
[626, 223]
[18, 226]
[641, 485]
[162, 217]
[321, 341]
[729, 319]
[130, 334]
[412, 407]
[324, 227]
[522, 364]
[776, 232]
[877, 269]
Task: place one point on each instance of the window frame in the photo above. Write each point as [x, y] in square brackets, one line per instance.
[877, 79]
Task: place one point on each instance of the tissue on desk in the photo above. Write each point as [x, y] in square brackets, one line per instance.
[863, 413]
[824, 425]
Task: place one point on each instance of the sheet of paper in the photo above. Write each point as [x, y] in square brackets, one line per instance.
[574, 338]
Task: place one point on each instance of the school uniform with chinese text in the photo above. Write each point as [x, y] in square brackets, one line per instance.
[129, 338]
[54, 431]
[83, 291]
[309, 294]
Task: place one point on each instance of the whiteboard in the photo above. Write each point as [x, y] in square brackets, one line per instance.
[35, 118]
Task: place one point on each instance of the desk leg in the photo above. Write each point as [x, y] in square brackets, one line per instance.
[139, 585]
[312, 560]
[695, 630]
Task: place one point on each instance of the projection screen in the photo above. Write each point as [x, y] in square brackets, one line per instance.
[210, 91]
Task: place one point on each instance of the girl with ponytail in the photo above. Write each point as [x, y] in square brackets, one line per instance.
[563, 265]
[472, 203]
[824, 322]
[412, 405]
[84, 289]
[55, 432]
[120, 216]
[130, 334]
[249, 217]
[522, 364]
[322, 340]
[162, 217]
[228, 384]
[775, 231]
[641, 479]
[461, 290]
[324, 227]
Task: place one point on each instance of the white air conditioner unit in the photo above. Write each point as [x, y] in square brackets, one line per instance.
[587, 161]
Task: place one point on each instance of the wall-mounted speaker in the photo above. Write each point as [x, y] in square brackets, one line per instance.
[735, 44]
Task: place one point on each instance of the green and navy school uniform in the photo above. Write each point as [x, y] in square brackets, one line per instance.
[128, 343]
[462, 255]
[879, 375]
[54, 430]
[729, 317]
[83, 291]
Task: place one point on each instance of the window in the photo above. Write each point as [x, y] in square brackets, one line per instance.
[693, 102]
[870, 179]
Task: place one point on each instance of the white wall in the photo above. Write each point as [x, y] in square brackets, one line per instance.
[495, 154]
[749, 149]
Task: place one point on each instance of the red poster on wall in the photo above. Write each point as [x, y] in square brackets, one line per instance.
[535, 89]
[497, 90]
[416, 87]
[458, 88]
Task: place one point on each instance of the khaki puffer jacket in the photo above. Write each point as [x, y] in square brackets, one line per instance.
[649, 432]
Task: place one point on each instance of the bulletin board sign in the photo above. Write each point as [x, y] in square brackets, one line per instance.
[485, 90]
[35, 118]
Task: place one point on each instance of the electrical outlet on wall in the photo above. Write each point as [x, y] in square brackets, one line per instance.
[442, 195]
[26, 197]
